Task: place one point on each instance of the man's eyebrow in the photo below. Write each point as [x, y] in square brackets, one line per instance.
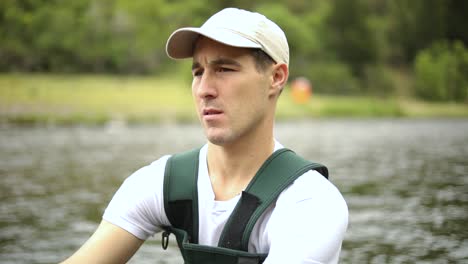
[195, 65]
[217, 62]
[224, 61]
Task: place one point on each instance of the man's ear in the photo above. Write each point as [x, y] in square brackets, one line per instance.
[280, 74]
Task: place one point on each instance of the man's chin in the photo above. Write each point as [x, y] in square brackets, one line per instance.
[219, 139]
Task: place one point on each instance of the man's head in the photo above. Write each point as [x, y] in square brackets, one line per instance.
[240, 65]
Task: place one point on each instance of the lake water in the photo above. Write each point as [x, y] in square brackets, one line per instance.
[405, 182]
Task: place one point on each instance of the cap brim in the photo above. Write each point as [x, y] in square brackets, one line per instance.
[181, 43]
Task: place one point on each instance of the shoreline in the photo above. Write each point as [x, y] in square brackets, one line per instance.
[42, 99]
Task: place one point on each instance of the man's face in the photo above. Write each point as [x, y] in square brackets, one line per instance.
[232, 97]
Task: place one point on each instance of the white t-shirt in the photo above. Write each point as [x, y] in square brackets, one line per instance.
[306, 224]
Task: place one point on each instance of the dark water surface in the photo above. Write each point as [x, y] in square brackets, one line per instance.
[405, 181]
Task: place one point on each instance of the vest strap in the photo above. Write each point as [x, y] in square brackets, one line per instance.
[181, 205]
[275, 175]
[246, 206]
[180, 192]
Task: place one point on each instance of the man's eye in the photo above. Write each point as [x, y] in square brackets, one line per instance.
[223, 69]
[197, 72]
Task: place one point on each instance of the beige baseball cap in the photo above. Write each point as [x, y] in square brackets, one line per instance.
[233, 27]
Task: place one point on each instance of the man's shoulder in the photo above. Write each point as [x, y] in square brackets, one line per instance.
[148, 173]
[312, 185]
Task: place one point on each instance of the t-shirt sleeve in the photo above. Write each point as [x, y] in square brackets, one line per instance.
[309, 222]
[138, 205]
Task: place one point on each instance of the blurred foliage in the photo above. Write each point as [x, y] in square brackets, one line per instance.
[416, 25]
[344, 47]
[442, 72]
[351, 37]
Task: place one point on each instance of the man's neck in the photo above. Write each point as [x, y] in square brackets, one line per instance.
[232, 167]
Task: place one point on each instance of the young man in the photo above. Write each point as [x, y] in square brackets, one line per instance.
[240, 66]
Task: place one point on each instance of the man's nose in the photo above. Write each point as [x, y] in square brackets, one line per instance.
[207, 86]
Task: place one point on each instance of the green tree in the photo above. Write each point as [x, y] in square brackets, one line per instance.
[350, 35]
[415, 25]
[441, 72]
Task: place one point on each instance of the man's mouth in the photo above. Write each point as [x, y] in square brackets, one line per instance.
[211, 111]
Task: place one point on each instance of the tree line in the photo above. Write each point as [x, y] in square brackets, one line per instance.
[342, 46]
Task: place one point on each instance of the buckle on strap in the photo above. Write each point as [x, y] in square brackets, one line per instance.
[165, 239]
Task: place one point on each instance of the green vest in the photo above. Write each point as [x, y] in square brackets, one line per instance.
[181, 206]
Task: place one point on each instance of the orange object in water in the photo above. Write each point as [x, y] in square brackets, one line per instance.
[301, 90]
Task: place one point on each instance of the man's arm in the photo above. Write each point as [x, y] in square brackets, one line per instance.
[108, 244]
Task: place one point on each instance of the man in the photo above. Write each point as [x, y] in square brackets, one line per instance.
[240, 66]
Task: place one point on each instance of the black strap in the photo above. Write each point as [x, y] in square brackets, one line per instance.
[246, 206]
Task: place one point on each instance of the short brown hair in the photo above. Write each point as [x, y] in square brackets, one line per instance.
[262, 60]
